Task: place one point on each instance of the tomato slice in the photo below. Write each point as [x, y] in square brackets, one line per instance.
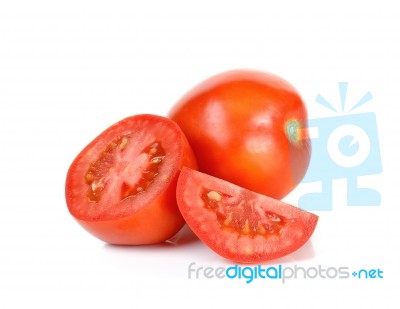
[121, 187]
[239, 224]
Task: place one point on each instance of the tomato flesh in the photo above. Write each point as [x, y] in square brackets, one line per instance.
[244, 217]
[97, 175]
[122, 184]
[239, 224]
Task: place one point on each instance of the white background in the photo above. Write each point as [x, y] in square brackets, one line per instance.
[69, 69]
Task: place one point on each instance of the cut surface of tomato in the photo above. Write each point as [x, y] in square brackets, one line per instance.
[121, 187]
[239, 224]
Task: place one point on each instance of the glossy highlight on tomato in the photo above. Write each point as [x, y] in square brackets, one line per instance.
[247, 127]
[121, 187]
[238, 224]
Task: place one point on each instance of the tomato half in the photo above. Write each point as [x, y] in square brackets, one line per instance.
[239, 224]
[121, 187]
[247, 127]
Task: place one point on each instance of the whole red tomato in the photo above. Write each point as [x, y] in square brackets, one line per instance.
[247, 127]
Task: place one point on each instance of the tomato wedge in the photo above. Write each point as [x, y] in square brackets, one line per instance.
[121, 187]
[238, 224]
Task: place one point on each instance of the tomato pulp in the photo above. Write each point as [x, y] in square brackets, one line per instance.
[121, 187]
[239, 224]
[247, 127]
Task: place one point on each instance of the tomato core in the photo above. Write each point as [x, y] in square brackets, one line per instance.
[156, 155]
[99, 171]
[245, 218]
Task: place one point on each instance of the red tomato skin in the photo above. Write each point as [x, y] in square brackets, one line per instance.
[155, 223]
[158, 221]
[237, 125]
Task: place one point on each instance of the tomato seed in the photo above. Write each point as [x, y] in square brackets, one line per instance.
[214, 196]
[124, 142]
[260, 228]
[228, 220]
[246, 228]
[157, 160]
[89, 177]
[152, 151]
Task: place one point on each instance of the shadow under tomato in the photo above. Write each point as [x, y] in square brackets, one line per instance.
[304, 253]
[183, 238]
